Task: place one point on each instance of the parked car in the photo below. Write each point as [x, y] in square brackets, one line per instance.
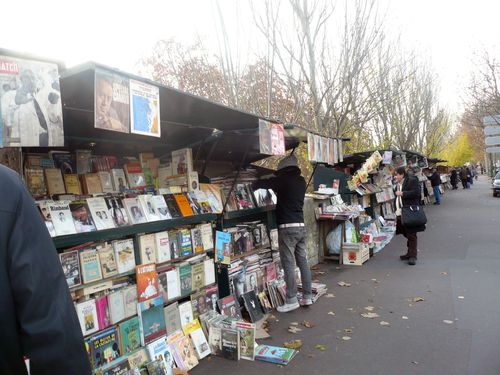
[496, 185]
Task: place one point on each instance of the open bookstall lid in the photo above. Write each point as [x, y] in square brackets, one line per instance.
[212, 130]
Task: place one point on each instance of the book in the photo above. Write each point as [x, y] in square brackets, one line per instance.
[83, 161]
[61, 218]
[42, 206]
[173, 283]
[156, 367]
[106, 182]
[82, 217]
[198, 303]
[159, 350]
[264, 197]
[147, 207]
[124, 255]
[223, 247]
[119, 366]
[185, 313]
[215, 340]
[101, 304]
[64, 160]
[162, 246]
[105, 347]
[213, 195]
[264, 302]
[91, 265]
[163, 284]
[147, 282]
[108, 260]
[199, 340]
[274, 354]
[198, 275]
[230, 339]
[134, 210]
[161, 207]
[273, 236]
[152, 320]
[229, 306]
[185, 244]
[91, 183]
[100, 213]
[194, 203]
[117, 210]
[72, 184]
[192, 181]
[185, 278]
[119, 180]
[173, 239]
[138, 358]
[70, 262]
[87, 316]
[172, 318]
[54, 181]
[182, 161]
[130, 335]
[196, 240]
[209, 271]
[247, 339]
[35, 181]
[185, 353]
[147, 248]
[252, 306]
[207, 236]
[130, 300]
[173, 207]
[183, 204]
[116, 306]
[243, 196]
[135, 176]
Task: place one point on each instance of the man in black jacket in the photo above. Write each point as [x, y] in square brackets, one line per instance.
[407, 194]
[436, 183]
[290, 188]
[38, 317]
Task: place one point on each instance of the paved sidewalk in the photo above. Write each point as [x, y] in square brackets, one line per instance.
[457, 275]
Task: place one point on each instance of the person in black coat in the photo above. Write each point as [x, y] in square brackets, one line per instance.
[407, 194]
[454, 179]
[38, 320]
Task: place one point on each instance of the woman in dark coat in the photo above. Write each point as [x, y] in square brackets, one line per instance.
[454, 179]
[407, 194]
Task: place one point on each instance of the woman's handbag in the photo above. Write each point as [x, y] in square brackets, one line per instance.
[413, 216]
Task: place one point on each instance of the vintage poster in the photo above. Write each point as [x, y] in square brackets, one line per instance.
[144, 109]
[111, 107]
[271, 138]
[30, 104]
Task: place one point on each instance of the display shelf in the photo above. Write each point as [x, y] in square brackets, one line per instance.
[248, 212]
[116, 233]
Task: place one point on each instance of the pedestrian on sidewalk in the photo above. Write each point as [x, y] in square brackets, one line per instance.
[469, 177]
[463, 177]
[454, 179]
[290, 188]
[39, 320]
[407, 194]
[435, 179]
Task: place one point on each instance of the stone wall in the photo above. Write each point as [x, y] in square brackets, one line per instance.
[312, 231]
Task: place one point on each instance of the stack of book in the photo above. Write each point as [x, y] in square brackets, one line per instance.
[317, 291]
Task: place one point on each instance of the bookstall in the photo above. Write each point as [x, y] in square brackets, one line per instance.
[131, 179]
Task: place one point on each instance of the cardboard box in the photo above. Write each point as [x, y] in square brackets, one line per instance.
[355, 254]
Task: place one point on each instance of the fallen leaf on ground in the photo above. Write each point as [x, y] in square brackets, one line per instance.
[320, 347]
[418, 299]
[294, 323]
[307, 324]
[319, 272]
[369, 308]
[429, 291]
[311, 355]
[414, 362]
[315, 267]
[350, 309]
[330, 295]
[370, 315]
[337, 268]
[461, 297]
[444, 273]
[382, 323]
[404, 317]
[331, 313]
[346, 338]
[293, 329]
[348, 330]
[294, 344]
[343, 283]
[448, 321]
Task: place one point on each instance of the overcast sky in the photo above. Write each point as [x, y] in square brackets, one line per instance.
[118, 33]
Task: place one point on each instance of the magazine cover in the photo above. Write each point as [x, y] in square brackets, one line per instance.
[117, 211]
[82, 217]
[134, 210]
[70, 263]
[152, 319]
[147, 282]
[124, 255]
[111, 106]
[100, 213]
[61, 218]
[144, 109]
[105, 347]
[271, 138]
[30, 104]
[223, 247]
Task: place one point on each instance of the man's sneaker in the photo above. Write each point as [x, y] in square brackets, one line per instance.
[412, 261]
[404, 257]
[305, 301]
[287, 307]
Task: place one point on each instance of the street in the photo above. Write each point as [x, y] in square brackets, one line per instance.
[442, 314]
